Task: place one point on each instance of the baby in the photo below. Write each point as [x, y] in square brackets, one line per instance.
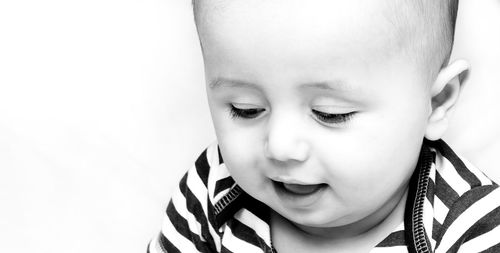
[328, 116]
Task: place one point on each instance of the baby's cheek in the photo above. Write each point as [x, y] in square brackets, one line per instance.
[239, 157]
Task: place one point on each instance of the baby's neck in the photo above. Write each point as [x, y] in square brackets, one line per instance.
[361, 237]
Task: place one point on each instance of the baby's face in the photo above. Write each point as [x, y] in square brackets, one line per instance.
[317, 111]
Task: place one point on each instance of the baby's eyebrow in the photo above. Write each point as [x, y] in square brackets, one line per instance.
[221, 81]
[335, 85]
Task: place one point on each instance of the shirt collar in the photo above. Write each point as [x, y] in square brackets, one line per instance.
[233, 201]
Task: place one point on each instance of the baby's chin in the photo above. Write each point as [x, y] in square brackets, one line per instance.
[317, 219]
[319, 226]
[327, 223]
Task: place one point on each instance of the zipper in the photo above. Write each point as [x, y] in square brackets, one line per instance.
[418, 230]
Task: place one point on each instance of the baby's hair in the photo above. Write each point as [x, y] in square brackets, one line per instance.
[429, 28]
[425, 28]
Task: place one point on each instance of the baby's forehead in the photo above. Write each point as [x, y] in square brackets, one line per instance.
[293, 20]
[397, 18]
[397, 10]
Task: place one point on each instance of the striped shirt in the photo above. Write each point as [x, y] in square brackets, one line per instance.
[451, 207]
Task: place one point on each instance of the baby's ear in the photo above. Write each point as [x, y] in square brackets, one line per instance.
[445, 91]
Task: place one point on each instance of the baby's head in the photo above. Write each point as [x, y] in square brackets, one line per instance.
[320, 107]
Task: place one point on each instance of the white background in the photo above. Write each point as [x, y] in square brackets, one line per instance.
[102, 108]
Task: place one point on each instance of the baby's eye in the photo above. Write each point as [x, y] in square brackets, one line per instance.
[245, 112]
[330, 118]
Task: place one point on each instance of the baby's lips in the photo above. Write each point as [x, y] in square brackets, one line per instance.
[301, 189]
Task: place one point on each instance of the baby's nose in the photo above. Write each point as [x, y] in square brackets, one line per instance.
[286, 140]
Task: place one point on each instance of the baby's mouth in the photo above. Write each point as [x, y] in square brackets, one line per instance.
[299, 189]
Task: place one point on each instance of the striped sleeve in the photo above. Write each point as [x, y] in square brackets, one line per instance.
[188, 223]
[473, 222]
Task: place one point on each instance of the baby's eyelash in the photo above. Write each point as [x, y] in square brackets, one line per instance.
[330, 118]
[245, 113]
[327, 118]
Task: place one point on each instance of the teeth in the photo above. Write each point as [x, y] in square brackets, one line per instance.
[301, 189]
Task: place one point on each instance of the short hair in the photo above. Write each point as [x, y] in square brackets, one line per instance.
[433, 20]
[431, 37]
